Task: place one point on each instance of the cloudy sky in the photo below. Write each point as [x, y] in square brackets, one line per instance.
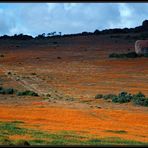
[37, 18]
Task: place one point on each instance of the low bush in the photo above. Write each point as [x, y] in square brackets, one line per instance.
[138, 95]
[2, 90]
[140, 99]
[124, 97]
[98, 96]
[7, 90]
[109, 96]
[113, 55]
[124, 55]
[145, 55]
[131, 55]
[2, 55]
[26, 93]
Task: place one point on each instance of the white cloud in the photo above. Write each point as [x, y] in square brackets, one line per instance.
[125, 11]
[36, 18]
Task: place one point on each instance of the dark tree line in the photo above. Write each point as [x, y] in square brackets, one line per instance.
[138, 29]
[17, 37]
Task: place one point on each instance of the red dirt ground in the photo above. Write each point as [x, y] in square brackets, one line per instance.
[83, 71]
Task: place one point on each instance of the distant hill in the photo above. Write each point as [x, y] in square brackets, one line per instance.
[138, 29]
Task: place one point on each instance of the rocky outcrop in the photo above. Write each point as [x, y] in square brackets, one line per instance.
[145, 24]
[141, 47]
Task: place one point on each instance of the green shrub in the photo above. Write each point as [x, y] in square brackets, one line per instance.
[131, 55]
[146, 102]
[113, 55]
[145, 55]
[123, 55]
[115, 100]
[138, 95]
[109, 96]
[18, 93]
[127, 55]
[6, 90]
[123, 97]
[120, 100]
[98, 96]
[26, 93]
[140, 99]
[9, 91]
[2, 92]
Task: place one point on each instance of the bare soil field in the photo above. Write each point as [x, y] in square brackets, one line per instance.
[71, 73]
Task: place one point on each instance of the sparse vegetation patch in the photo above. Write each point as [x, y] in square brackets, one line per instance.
[140, 99]
[18, 93]
[7, 90]
[109, 96]
[38, 137]
[1, 55]
[125, 55]
[26, 93]
[122, 97]
[117, 131]
[98, 96]
[125, 97]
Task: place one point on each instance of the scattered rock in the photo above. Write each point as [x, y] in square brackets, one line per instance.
[17, 79]
[98, 106]
[58, 57]
[23, 143]
[33, 73]
[70, 99]
[48, 95]
[9, 73]
[2, 55]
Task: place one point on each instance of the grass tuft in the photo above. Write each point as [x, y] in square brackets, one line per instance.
[61, 138]
[117, 131]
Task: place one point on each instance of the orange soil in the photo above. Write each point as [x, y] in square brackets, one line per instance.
[81, 74]
[16, 137]
[82, 121]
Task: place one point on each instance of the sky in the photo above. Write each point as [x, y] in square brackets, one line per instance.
[69, 18]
